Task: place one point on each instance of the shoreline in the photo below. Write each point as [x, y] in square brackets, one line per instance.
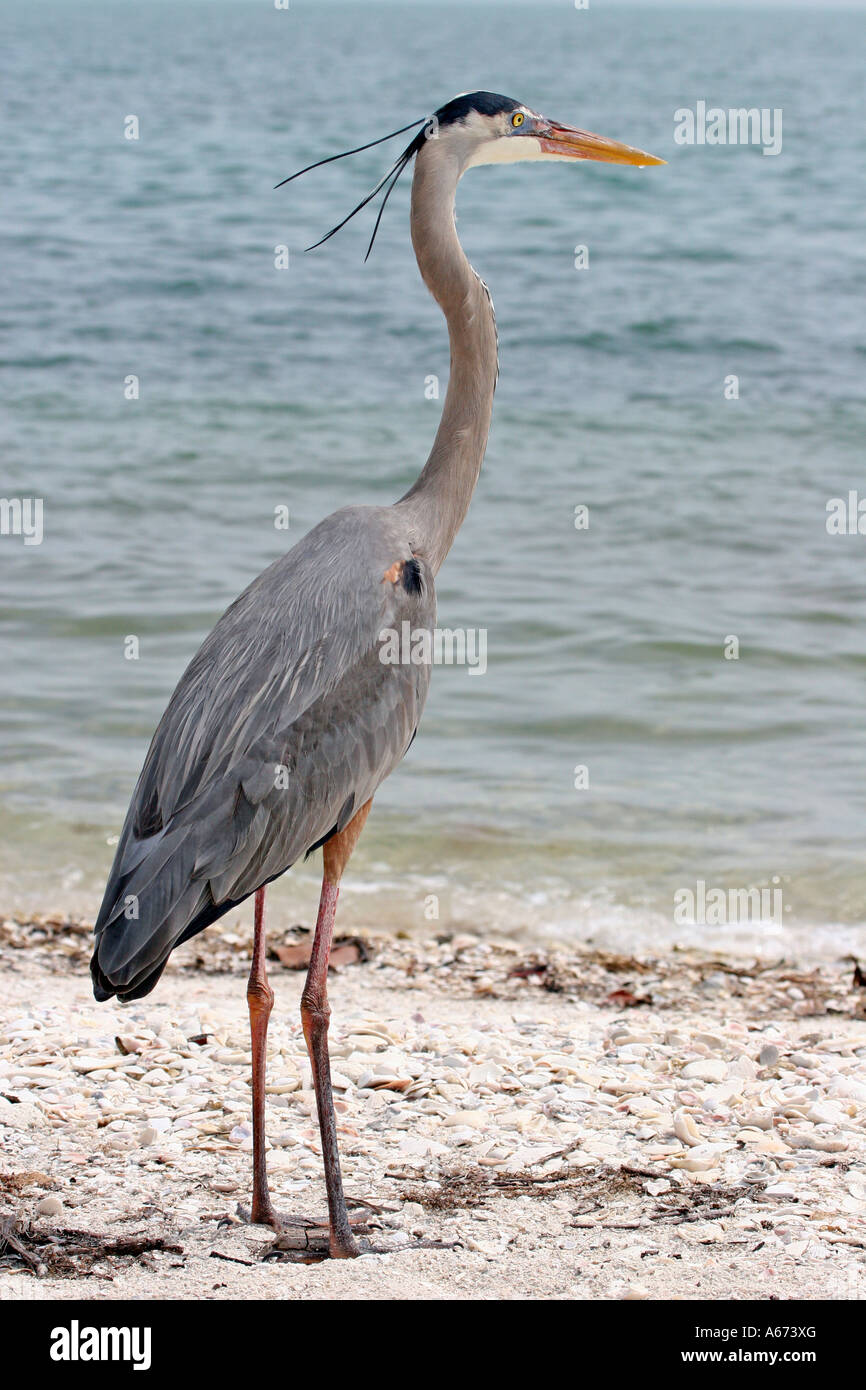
[553, 1124]
[399, 907]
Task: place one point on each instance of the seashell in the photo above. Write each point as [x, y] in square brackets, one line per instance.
[778, 1191]
[417, 1090]
[820, 1142]
[370, 1081]
[710, 1070]
[283, 1088]
[701, 1158]
[157, 1077]
[557, 1061]
[758, 1119]
[765, 1143]
[686, 1129]
[848, 1087]
[825, 1112]
[494, 1157]
[688, 1098]
[84, 1065]
[624, 1088]
[371, 1030]
[475, 1119]
[225, 1057]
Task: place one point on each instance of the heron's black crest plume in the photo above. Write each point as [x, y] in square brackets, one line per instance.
[393, 174]
[357, 150]
[484, 103]
[390, 178]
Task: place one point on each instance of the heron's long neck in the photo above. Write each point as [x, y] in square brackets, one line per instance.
[436, 505]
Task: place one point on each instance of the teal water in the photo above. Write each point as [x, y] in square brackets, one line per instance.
[305, 388]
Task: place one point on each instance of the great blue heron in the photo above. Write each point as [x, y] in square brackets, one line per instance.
[287, 720]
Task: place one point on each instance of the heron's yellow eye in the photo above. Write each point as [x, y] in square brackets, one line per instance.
[517, 118]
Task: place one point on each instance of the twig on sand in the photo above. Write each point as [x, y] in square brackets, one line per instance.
[55, 1251]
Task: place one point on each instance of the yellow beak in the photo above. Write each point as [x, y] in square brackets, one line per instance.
[566, 142]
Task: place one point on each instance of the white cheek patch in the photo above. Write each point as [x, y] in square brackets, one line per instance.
[507, 150]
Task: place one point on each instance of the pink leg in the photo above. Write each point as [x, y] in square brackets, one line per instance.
[260, 998]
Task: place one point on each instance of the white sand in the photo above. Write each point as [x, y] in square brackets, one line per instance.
[569, 1147]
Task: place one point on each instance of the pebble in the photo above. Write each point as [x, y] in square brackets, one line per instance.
[49, 1206]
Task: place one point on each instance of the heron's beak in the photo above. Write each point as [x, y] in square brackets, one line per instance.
[565, 142]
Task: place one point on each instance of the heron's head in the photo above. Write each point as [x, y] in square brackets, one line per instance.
[484, 128]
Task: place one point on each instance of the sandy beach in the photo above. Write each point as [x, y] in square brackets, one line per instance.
[515, 1123]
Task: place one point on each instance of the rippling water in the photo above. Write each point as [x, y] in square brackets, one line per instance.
[305, 387]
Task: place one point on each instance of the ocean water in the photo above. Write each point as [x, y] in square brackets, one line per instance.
[305, 388]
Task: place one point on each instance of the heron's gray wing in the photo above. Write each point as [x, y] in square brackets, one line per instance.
[283, 725]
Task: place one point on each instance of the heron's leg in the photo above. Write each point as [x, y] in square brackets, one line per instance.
[260, 998]
[315, 1013]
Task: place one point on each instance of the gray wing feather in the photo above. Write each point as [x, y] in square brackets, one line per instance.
[289, 679]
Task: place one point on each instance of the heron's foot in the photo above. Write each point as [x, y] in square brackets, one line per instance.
[307, 1237]
[263, 1214]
